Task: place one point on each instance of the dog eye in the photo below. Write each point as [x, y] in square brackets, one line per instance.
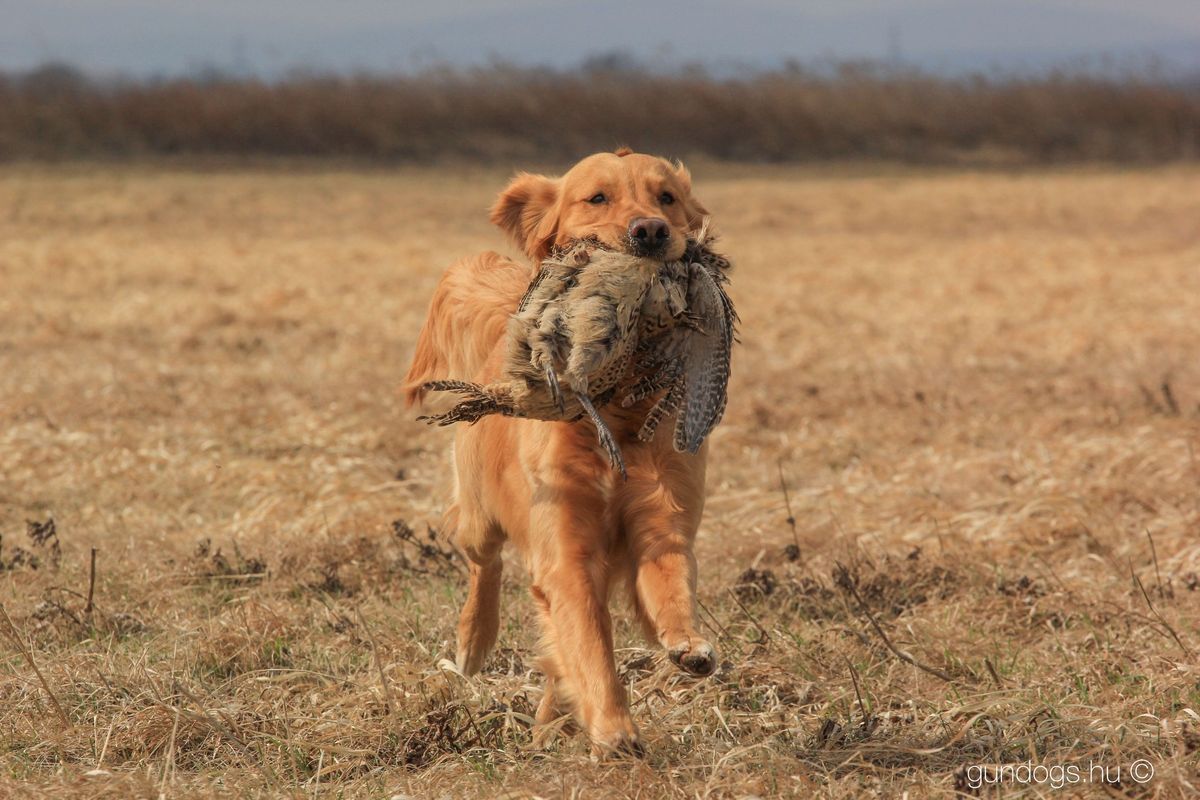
[666, 198]
[597, 198]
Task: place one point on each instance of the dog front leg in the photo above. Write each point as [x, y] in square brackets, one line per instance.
[665, 589]
[570, 570]
[664, 499]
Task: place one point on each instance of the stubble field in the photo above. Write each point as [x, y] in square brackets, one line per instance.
[981, 391]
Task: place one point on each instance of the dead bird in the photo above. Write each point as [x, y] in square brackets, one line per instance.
[596, 321]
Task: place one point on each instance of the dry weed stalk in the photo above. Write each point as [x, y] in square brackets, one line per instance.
[18, 641]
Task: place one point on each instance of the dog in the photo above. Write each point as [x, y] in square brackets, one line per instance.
[547, 487]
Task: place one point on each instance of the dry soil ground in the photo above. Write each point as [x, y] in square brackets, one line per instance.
[981, 390]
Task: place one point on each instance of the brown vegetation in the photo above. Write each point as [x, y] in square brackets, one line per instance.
[507, 113]
[981, 391]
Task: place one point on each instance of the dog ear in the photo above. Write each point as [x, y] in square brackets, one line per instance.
[695, 210]
[525, 211]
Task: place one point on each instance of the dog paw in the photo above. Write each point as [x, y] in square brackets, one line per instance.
[694, 656]
[618, 744]
[469, 661]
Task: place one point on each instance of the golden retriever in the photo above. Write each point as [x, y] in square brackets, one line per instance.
[546, 486]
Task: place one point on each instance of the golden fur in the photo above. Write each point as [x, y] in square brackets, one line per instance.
[545, 486]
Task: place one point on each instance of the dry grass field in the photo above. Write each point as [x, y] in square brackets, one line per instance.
[982, 391]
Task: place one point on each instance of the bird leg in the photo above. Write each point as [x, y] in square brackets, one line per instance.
[541, 344]
[603, 434]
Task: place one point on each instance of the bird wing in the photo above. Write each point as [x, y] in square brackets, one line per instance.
[706, 358]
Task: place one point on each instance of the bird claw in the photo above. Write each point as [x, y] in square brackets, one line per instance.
[694, 322]
[555, 391]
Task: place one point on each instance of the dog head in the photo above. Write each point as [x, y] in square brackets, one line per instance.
[637, 203]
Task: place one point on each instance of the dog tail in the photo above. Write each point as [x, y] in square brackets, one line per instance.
[467, 317]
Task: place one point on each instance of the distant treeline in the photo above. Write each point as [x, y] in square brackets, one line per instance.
[507, 114]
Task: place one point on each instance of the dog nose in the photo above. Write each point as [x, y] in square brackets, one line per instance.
[648, 234]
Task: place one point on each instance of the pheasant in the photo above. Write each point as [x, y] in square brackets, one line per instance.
[596, 322]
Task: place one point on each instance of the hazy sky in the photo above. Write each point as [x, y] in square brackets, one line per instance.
[271, 36]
